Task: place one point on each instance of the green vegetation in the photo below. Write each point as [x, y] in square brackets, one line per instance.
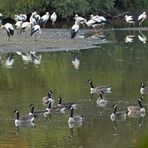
[68, 8]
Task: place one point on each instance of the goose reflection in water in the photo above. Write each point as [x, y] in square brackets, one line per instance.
[142, 37]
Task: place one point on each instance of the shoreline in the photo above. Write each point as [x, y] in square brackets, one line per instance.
[53, 40]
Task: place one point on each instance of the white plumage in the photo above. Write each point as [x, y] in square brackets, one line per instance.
[20, 17]
[142, 38]
[44, 19]
[53, 18]
[129, 38]
[142, 17]
[129, 19]
[18, 24]
[74, 30]
[9, 28]
[80, 19]
[35, 30]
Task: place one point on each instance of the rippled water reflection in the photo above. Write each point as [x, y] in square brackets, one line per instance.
[122, 63]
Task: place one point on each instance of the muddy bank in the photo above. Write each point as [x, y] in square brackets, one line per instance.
[49, 40]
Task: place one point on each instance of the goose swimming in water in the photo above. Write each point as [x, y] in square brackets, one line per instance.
[67, 105]
[54, 109]
[48, 98]
[23, 120]
[102, 101]
[98, 89]
[37, 113]
[136, 110]
[143, 89]
[120, 115]
[75, 119]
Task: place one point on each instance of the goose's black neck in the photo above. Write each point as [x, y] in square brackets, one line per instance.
[91, 84]
[115, 109]
[17, 115]
[49, 95]
[49, 105]
[140, 104]
[101, 97]
[71, 114]
[32, 109]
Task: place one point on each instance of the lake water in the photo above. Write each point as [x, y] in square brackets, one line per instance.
[122, 63]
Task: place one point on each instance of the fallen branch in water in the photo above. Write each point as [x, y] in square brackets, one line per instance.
[109, 15]
[120, 15]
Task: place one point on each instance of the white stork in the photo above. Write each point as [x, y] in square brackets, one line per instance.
[20, 17]
[53, 18]
[35, 31]
[129, 19]
[9, 28]
[74, 29]
[141, 18]
[32, 18]
[79, 19]
[25, 26]
[95, 22]
[44, 19]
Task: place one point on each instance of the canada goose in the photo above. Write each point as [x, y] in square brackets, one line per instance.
[143, 89]
[136, 110]
[121, 115]
[48, 98]
[67, 105]
[102, 101]
[74, 119]
[105, 89]
[23, 120]
[54, 109]
[36, 113]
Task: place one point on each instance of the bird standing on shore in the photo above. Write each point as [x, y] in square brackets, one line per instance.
[9, 28]
[80, 19]
[141, 18]
[35, 31]
[130, 20]
[74, 29]
[53, 18]
[44, 19]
